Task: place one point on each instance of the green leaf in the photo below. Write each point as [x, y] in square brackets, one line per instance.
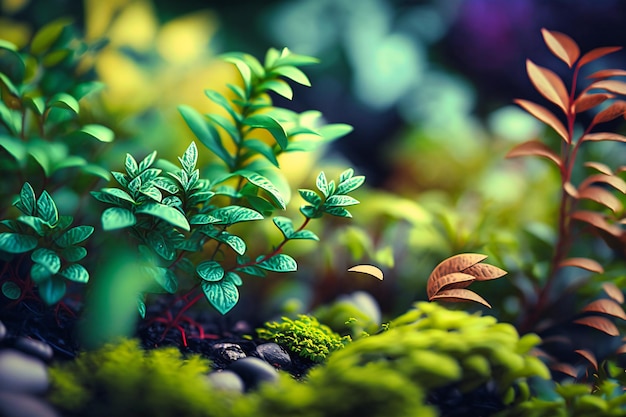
[189, 158]
[132, 169]
[48, 35]
[293, 73]
[289, 58]
[279, 263]
[340, 201]
[350, 184]
[46, 209]
[166, 279]
[28, 200]
[96, 170]
[72, 161]
[310, 197]
[271, 56]
[74, 236]
[242, 67]
[141, 306]
[285, 225]
[322, 184]
[241, 95]
[311, 212]
[94, 131]
[76, 273]
[265, 184]
[227, 125]
[166, 184]
[261, 148]
[83, 89]
[337, 211]
[210, 271]
[219, 99]
[52, 290]
[223, 295]
[272, 125]
[305, 235]
[119, 195]
[278, 86]
[169, 214]
[73, 253]
[55, 57]
[203, 219]
[147, 163]
[48, 259]
[11, 290]
[117, 218]
[38, 225]
[205, 133]
[161, 245]
[334, 131]
[235, 214]
[235, 242]
[39, 273]
[36, 104]
[64, 101]
[14, 147]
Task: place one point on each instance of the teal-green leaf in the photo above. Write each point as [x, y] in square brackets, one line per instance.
[210, 271]
[340, 201]
[83, 89]
[161, 245]
[64, 101]
[169, 214]
[285, 225]
[52, 290]
[293, 73]
[350, 184]
[235, 242]
[39, 273]
[219, 99]
[46, 209]
[141, 306]
[223, 295]
[279, 263]
[242, 67]
[322, 184]
[94, 131]
[234, 278]
[28, 200]
[261, 148]
[264, 121]
[203, 219]
[310, 197]
[48, 259]
[37, 224]
[73, 253]
[311, 212]
[96, 170]
[147, 163]
[337, 211]
[14, 147]
[252, 270]
[11, 290]
[305, 235]
[48, 35]
[132, 169]
[74, 236]
[235, 214]
[166, 279]
[118, 194]
[117, 218]
[278, 86]
[205, 133]
[76, 273]
[265, 184]
[11, 63]
[71, 161]
[227, 125]
[334, 131]
[189, 158]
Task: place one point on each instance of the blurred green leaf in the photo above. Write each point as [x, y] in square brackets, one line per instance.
[117, 218]
[17, 243]
[48, 35]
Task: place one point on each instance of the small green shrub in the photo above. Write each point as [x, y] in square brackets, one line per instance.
[305, 336]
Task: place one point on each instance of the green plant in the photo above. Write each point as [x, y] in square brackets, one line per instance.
[54, 247]
[305, 336]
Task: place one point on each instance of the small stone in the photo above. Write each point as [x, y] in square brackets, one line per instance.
[20, 405]
[226, 380]
[34, 347]
[229, 351]
[22, 373]
[275, 355]
[254, 371]
[3, 331]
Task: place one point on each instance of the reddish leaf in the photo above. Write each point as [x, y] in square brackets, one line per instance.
[584, 263]
[597, 53]
[614, 86]
[587, 101]
[448, 281]
[599, 166]
[606, 306]
[601, 196]
[597, 220]
[615, 110]
[565, 368]
[570, 189]
[546, 116]
[562, 46]
[613, 291]
[612, 180]
[606, 73]
[460, 295]
[600, 136]
[369, 270]
[589, 356]
[599, 323]
[548, 84]
[534, 148]
[456, 263]
[484, 272]
[621, 350]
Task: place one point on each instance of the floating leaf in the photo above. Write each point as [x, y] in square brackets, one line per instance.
[546, 116]
[484, 272]
[584, 263]
[561, 45]
[591, 358]
[601, 196]
[449, 281]
[606, 306]
[369, 270]
[456, 263]
[599, 323]
[613, 291]
[597, 53]
[534, 148]
[600, 136]
[548, 84]
[460, 295]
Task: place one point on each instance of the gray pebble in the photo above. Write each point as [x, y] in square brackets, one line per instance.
[34, 347]
[22, 373]
[3, 331]
[254, 371]
[275, 355]
[226, 380]
[21, 405]
[229, 351]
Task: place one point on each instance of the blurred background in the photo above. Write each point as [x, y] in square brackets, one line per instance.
[428, 86]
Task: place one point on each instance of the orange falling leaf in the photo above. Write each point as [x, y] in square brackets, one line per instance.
[369, 270]
[448, 281]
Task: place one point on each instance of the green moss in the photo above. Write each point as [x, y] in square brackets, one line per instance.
[305, 336]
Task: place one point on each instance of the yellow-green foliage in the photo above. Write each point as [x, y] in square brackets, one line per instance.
[305, 336]
[125, 380]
